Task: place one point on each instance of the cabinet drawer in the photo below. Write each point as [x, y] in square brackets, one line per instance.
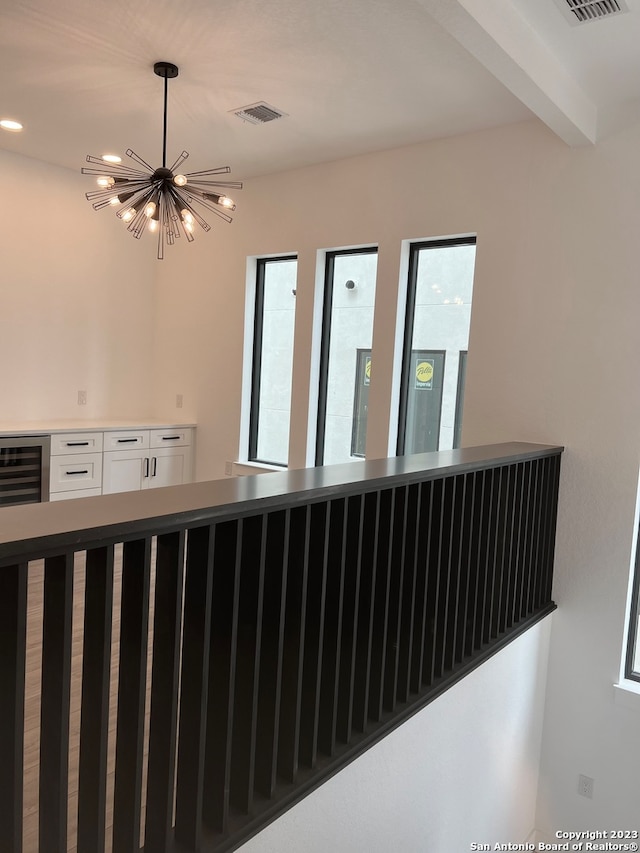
[170, 437]
[126, 440]
[76, 442]
[77, 471]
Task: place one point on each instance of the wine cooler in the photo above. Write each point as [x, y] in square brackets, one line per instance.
[24, 469]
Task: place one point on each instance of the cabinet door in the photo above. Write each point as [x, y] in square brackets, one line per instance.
[170, 466]
[125, 471]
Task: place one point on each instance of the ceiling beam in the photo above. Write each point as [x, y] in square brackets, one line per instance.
[501, 39]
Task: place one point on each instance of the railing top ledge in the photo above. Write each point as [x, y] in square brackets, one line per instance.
[39, 529]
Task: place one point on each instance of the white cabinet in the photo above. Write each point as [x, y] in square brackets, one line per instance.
[146, 459]
[75, 465]
[94, 462]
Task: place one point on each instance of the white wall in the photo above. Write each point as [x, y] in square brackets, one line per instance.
[77, 305]
[553, 357]
[462, 770]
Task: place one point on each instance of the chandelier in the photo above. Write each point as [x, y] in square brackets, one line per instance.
[163, 200]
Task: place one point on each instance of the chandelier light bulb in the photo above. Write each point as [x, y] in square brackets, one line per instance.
[150, 209]
[180, 180]
[115, 200]
[105, 181]
[186, 215]
[227, 202]
[10, 124]
[129, 214]
[153, 225]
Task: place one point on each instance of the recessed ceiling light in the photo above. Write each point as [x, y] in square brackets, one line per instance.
[112, 158]
[10, 124]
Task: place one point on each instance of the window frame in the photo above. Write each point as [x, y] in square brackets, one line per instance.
[630, 674]
[460, 387]
[256, 359]
[409, 321]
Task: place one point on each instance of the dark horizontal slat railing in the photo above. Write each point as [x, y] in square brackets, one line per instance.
[291, 620]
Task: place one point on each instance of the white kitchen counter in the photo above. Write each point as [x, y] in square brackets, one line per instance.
[48, 427]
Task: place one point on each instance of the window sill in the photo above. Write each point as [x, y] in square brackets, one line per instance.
[626, 694]
[239, 469]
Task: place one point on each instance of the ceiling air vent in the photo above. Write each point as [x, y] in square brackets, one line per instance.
[583, 11]
[259, 113]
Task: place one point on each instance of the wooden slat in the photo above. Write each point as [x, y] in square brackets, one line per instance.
[247, 663]
[331, 649]
[529, 582]
[553, 474]
[55, 699]
[94, 720]
[455, 540]
[431, 590]
[314, 618]
[396, 584]
[541, 543]
[420, 629]
[500, 549]
[294, 643]
[354, 532]
[409, 591]
[493, 495]
[132, 669]
[462, 546]
[194, 686]
[381, 605]
[222, 655]
[276, 569]
[164, 691]
[439, 575]
[519, 539]
[364, 637]
[13, 626]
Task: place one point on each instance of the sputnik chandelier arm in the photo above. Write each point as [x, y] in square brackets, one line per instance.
[162, 200]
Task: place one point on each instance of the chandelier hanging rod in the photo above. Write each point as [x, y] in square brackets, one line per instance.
[168, 71]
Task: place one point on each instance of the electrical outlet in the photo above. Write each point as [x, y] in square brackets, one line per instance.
[178, 401]
[585, 786]
[228, 469]
[82, 398]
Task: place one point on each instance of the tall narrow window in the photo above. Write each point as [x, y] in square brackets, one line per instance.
[272, 360]
[632, 662]
[439, 292]
[347, 331]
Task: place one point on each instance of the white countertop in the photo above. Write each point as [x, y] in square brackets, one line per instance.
[8, 428]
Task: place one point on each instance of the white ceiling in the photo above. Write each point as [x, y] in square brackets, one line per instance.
[354, 76]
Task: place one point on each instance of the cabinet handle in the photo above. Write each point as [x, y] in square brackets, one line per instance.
[154, 466]
[126, 440]
[77, 472]
[170, 437]
[146, 467]
[77, 443]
